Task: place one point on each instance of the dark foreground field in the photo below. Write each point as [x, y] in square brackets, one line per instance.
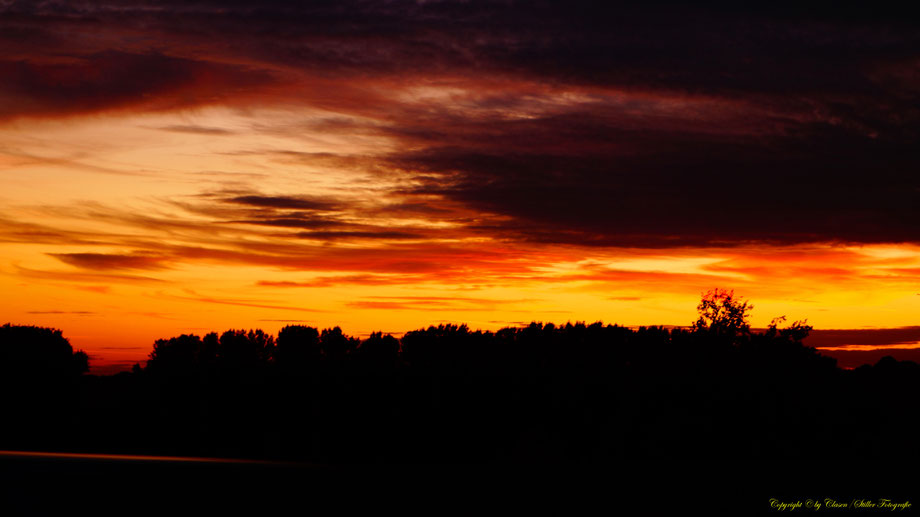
[58, 484]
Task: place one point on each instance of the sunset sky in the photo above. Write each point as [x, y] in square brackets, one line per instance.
[188, 166]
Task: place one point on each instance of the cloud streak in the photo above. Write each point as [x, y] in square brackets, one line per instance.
[106, 261]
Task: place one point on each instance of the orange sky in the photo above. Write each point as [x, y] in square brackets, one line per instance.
[121, 228]
[161, 178]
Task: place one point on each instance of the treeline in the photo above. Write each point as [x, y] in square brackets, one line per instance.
[573, 392]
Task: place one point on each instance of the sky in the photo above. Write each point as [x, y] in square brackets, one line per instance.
[186, 166]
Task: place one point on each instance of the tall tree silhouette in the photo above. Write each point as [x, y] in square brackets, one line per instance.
[722, 314]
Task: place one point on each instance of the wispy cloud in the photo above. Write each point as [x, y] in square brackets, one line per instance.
[457, 303]
[107, 261]
[240, 302]
[195, 130]
[79, 276]
[79, 313]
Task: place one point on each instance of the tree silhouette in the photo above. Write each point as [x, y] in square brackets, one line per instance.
[31, 351]
[40, 375]
[175, 354]
[297, 346]
[796, 332]
[446, 393]
[336, 346]
[722, 314]
[452, 347]
[379, 350]
[241, 349]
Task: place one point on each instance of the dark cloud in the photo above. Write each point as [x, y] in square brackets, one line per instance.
[701, 48]
[698, 46]
[196, 130]
[284, 202]
[323, 217]
[856, 358]
[865, 337]
[43, 85]
[855, 347]
[595, 124]
[401, 253]
[79, 313]
[295, 222]
[379, 233]
[660, 188]
[106, 261]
